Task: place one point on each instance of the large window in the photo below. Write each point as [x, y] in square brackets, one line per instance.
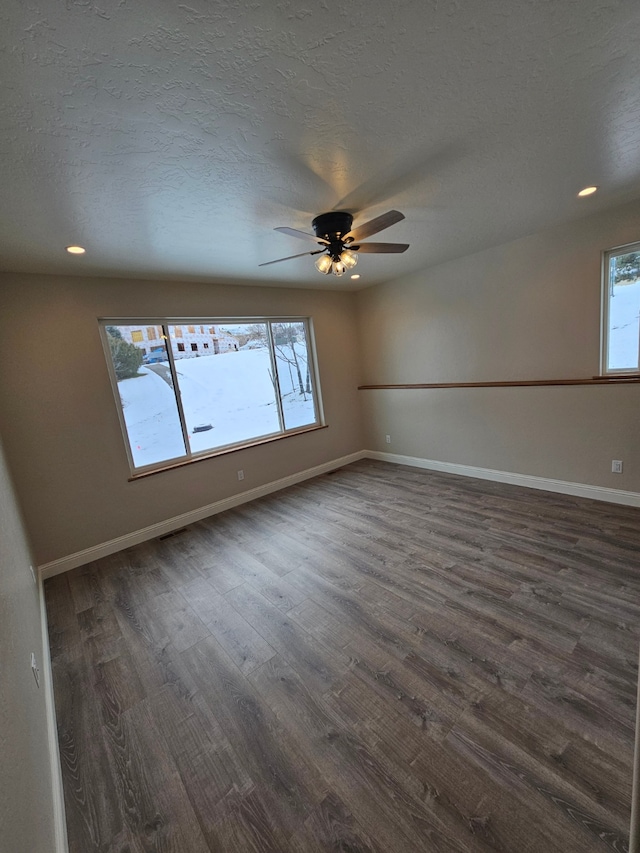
[621, 310]
[179, 400]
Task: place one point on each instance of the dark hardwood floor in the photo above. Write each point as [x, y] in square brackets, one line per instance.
[381, 659]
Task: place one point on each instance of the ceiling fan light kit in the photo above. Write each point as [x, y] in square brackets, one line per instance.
[337, 264]
[337, 239]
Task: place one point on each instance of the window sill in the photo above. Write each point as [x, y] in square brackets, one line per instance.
[224, 451]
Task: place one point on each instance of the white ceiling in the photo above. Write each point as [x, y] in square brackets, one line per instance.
[170, 139]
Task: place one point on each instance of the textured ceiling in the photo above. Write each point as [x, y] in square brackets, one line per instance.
[170, 139]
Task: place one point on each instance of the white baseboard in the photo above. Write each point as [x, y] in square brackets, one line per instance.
[59, 819]
[88, 555]
[579, 490]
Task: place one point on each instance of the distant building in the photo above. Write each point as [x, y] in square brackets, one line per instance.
[186, 341]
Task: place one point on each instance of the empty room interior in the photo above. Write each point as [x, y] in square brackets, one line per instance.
[319, 426]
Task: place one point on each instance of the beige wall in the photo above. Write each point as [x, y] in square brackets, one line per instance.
[529, 309]
[26, 808]
[58, 416]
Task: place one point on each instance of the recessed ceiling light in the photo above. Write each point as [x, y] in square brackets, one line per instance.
[76, 250]
[354, 277]
[587, 191]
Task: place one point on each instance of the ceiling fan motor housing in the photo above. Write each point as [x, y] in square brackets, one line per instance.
[332, 227]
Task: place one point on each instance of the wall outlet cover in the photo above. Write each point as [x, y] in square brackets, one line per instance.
[34, 669]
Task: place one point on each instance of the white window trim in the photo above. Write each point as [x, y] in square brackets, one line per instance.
[190, 457]
[604, 312]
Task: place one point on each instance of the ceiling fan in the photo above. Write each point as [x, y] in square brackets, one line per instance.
[340, 243]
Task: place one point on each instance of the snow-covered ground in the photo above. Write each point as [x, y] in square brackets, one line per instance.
[231, 391]
[624, 326]
[151, 416]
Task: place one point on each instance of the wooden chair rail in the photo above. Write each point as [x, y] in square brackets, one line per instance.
[627, 379]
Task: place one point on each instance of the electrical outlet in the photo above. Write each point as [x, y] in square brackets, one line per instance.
[616, 466]
[387, 438]
[241, 475]
[34, 669]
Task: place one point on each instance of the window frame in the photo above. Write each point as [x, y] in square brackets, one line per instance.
[190, 456]
[605, 370]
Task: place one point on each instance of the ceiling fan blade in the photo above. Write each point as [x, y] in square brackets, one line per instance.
[302, 235]
[380, 248]
[374, 225]
[291, 257]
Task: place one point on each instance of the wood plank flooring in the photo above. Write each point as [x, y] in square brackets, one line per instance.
[382, 659]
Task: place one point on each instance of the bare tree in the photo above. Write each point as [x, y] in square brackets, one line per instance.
[285, 338]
